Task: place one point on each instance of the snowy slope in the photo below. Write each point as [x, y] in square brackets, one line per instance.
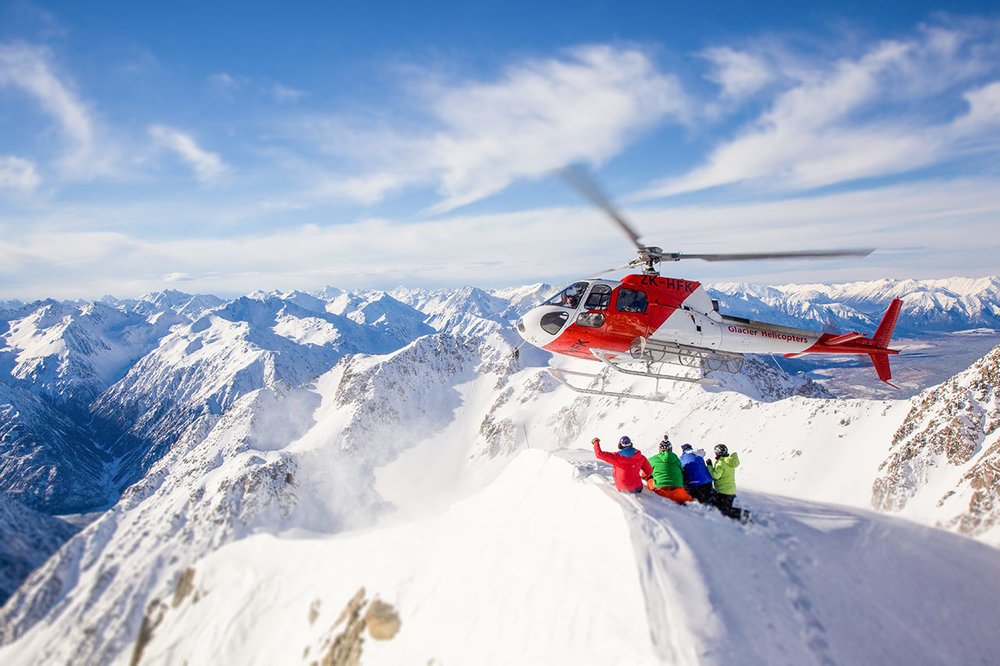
[206, 366]
[71, 352]
[50, 460]
[279, 458]
[27, 538]
[382, 312]
[463, 311]
[547, 564]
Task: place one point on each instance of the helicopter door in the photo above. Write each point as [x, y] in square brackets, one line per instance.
[595, 307]
[629, 316]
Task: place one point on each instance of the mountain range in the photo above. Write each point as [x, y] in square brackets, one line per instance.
[222, 444]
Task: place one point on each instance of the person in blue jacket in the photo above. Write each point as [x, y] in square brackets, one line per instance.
[697, 478]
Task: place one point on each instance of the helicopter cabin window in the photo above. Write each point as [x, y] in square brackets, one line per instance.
[552, 322]
[599, 298]
[570, 296]
[630, 300]
[590, 319]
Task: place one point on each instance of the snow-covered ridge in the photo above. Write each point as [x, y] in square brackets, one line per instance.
[928, 305]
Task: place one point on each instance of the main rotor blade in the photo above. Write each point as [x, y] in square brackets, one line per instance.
[748, 256]
[576, 176]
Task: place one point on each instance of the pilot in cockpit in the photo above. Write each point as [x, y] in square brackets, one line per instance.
[570, 296]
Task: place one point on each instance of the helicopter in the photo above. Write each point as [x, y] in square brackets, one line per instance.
[645, 321]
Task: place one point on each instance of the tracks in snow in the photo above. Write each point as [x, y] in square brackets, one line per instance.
[711, 586]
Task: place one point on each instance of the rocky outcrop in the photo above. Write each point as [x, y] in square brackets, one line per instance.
[344, 648]
[949, 444]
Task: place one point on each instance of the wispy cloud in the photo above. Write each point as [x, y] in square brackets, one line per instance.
[18, 174]
[845, 119]
[28, 68]
[283, 93]
[207, 166]
[536, 116]
[738, 73]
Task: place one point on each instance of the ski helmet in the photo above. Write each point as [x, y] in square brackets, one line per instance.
[721, 450]
[686, 447]
[665, 445]
[624, 442]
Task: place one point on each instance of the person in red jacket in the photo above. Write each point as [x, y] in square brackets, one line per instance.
[630, 466]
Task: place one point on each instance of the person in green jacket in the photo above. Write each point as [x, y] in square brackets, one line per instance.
[723, 472]
[668, 479]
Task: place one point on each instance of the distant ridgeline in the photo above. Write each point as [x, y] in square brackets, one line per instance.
[929, 306]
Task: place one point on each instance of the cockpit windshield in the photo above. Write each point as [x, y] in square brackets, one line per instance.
[570, 296]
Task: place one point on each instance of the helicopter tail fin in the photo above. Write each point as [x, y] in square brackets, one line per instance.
[883, 334]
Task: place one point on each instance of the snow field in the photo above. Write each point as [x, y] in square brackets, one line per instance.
[549, 565]
[506, 576]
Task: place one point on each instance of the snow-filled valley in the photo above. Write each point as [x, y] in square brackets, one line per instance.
[253, 464]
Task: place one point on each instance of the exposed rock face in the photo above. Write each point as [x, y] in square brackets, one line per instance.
[984, 505]
[949, 445]
[345, 648]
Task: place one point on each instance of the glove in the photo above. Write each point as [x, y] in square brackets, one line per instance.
[596, 440]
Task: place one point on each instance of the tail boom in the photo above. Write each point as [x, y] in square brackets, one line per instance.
[876, 347]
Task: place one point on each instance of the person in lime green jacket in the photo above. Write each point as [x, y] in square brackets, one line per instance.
[723, 472]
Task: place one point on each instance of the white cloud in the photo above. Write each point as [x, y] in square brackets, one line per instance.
[18, 174]
[28, 69]
[738, 73]
[208, 166]
[536, 116]
[983, 113]
[848, 119]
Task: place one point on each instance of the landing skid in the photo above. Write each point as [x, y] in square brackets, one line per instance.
[656, 351]
[560, 375]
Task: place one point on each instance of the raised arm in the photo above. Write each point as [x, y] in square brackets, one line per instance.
[601, 455]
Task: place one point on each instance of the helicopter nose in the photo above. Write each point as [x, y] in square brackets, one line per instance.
[540, 326]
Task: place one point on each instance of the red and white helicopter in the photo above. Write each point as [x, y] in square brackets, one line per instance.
[637, 324]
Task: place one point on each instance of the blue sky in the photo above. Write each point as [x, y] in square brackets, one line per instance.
[227, 147]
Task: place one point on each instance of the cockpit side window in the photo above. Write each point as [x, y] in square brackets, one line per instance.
[599, 298]
[570, 296]
[631, 300]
